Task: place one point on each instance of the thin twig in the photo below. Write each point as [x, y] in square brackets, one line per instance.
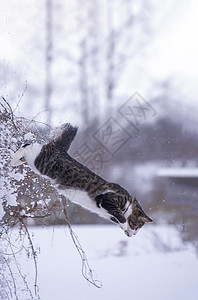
[7, 283]
[23, 93]
[11, 112]
[34, 257]
[87, 272]
[13, 280]
[16, 263]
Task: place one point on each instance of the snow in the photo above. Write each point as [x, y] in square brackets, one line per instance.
[29, 136]
[153, 265]
[178, 172]
[57, 132]
[1, 210]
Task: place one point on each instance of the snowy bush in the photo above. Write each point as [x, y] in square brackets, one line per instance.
[25, 198]
[23, 193]
[22, 196]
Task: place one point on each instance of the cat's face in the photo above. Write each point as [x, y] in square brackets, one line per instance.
[136, 219]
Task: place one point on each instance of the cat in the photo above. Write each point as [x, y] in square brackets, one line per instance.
[79, 184]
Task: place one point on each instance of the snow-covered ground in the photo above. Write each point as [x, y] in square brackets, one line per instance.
[153, 265]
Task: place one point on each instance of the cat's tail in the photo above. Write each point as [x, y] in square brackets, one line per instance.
[63, 136]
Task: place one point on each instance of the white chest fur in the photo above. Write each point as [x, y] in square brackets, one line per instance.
[82, 198]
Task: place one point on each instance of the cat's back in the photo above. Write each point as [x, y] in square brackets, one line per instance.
[64, 169]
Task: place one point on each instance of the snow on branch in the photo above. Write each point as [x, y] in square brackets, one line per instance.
[25, 199]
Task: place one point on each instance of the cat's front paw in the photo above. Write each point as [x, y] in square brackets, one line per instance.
[124, 226]
[130, 233]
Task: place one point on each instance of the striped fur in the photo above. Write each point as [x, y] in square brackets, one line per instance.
[109, 200]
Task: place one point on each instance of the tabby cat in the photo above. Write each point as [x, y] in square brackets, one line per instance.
[79, 184]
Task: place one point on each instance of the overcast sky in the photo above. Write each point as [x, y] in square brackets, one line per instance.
[175, 46]
[170, 54]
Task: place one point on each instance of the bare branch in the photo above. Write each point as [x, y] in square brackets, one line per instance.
[21, 97]
[34, 257]
[11, 112]
[87, 272]
[12, 276]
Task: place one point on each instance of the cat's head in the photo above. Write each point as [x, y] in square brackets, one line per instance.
[136, 219]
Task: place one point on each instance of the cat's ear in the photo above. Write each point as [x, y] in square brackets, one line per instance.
[140, 213]
[144, 218]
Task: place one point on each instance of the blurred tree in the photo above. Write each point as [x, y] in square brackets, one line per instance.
[113, 43]
[101, 44]
[48, 59]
